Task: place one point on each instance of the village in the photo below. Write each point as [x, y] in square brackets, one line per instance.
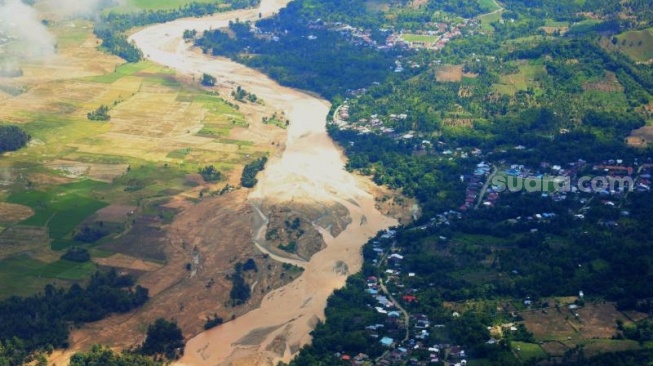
[610, 180]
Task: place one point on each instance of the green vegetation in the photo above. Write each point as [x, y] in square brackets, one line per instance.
[248, 179]
[241, 94]
[112, 26]
[163, 338]
[100, 114]
[189, 34]
[638, 44]
[240, 290]
[208, 80]
[212, 321]
[99, 355]
[12, 138]
[57, 309]
[60, 209]
[290, 247]
[210, 173]
[74, 254]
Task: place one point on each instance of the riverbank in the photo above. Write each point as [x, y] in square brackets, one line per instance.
[309, 177]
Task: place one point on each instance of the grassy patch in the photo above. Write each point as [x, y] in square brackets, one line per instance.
[511, 83]
[138, 5]
[637, 44]
[584, 26]
[23, 275]
[528, 351]
[489, 5]
[60, 209]
[419, 38]
[487, 20]
[121, 71]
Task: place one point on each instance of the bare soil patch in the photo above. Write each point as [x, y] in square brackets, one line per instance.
[599, 320]
[100, 172]
[12, 213]
[19, 239]
[552, 325]
[449, 73]
[43, 179]
[115, 213]
[416, 4]
[644, 133]
[127, 262]
[212, 235]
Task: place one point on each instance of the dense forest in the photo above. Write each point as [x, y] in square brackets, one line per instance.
[336, 65]
[43, 321]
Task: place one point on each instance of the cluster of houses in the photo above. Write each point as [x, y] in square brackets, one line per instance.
[611, 179]
[373, 124]
[437, 34]
[475, 185]
[435, 37]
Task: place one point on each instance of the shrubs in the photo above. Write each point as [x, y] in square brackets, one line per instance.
[12, 138]
[100, 114]
[208, 80]
[74, 254]
[248, 179]
[213, 321]
[210, 173]
[240, 291]
[164, 338]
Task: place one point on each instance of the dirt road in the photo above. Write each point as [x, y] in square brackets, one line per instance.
[309, 173]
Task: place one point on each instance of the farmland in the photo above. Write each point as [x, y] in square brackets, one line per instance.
[113, 175]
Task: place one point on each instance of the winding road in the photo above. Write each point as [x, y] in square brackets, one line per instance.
[310, 172]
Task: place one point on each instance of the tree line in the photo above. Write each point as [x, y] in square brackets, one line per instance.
[43, 321]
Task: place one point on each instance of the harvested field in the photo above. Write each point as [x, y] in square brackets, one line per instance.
[449, 73]
[596, 346]
[644, 133]
[127, 262]
[99, 172]
[599, 320]
[115, 213]
[550, 326]
[12, 213]
[19, 239]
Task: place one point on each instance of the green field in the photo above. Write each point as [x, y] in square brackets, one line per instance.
[137, 5]
[637, 44]
[489, 5]
[62, 208]
[528, 351]
[510, 84]
[583, 26]
[419, 38]
[23, 275]
[489, 18]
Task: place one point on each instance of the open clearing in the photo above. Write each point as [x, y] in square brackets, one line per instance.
[511, 83]
[637, 44]
[591, 326]
[449, 73]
